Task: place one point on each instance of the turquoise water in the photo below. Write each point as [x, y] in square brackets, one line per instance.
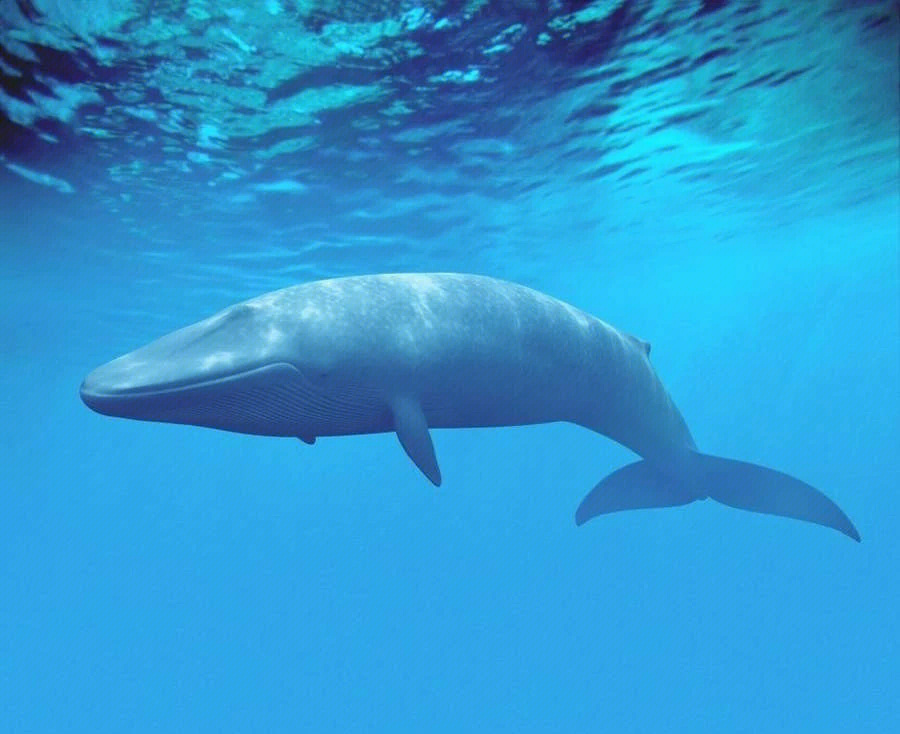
[720, 179]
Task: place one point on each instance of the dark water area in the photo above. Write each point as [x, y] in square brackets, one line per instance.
[718, 178]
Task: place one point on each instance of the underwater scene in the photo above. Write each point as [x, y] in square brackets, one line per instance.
[449, 366]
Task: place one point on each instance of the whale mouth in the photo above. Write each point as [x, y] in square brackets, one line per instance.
[94, 388]
[109, 398]
[276, 399]
[265, 400]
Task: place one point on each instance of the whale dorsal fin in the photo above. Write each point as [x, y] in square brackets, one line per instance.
[412, 430]
[639, 343]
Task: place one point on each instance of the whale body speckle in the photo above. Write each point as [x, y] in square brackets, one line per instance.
[410, 352]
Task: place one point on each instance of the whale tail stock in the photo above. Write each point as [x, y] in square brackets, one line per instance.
[734, 483]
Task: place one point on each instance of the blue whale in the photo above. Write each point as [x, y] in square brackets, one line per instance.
[406, 353]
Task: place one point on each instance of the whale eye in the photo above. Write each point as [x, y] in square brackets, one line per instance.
[317, 374]
[318, 371]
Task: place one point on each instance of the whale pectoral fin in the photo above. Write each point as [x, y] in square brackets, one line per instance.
[634, 487]
[412, 430]
[307, 438]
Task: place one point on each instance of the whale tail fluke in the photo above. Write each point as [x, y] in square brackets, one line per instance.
[637, 486]
[733, 483]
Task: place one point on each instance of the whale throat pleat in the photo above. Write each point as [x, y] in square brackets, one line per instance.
[273, 400]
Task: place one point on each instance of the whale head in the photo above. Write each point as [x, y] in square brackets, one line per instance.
[268, 366]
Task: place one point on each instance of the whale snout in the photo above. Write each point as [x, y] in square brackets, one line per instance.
[140, 385]
[102, 402]
[109, 388]
[123, 386]
[120, 376]
[91, 392]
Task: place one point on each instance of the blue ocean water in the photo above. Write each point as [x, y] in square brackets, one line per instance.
[719, 178]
